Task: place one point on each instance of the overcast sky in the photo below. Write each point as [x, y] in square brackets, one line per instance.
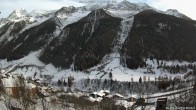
[188, 7]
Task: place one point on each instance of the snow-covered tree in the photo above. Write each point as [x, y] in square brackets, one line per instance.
[194, 87]
[144, 78]
[140, 80]
[70, 81]
[110, 75]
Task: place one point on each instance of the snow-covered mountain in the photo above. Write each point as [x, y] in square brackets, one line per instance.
[38, 13]
[17, 14]
[65, 11]
[96, 39]
[175, 13]
[125, 5]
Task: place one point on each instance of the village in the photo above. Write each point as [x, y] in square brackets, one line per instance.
[20, 93]
[16, 87]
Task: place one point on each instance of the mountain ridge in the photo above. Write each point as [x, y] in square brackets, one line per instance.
[41, 29]
[91, 25]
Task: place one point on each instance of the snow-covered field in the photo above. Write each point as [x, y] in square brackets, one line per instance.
[31, 64]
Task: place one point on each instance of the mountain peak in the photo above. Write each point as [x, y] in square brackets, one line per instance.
[65, 10]
[38, 12]
[125, 2]
[126, 5]
[18, 13]
[176, 13]
[96, 14]
[173, 12]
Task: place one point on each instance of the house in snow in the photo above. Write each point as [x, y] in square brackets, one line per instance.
[132, 99]
[117, 96]
[13, 89]
[32, 88]
[9, 87]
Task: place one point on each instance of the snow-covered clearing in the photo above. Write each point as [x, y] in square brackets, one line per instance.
[119, 73]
